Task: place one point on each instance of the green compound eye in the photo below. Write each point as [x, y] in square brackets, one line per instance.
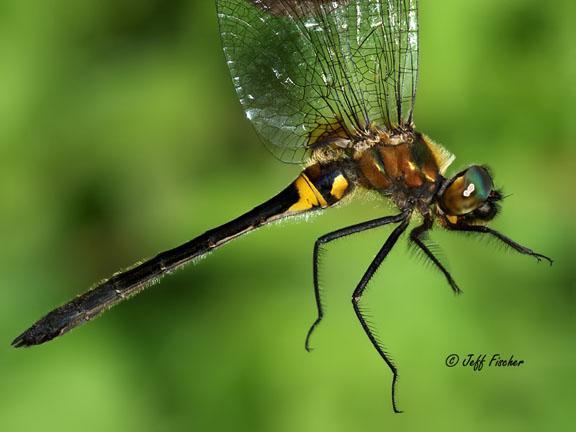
[467, 191]
[478, 183]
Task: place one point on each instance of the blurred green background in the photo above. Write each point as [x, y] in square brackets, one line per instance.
[121, 136]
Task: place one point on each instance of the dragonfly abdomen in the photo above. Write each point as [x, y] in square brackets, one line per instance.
[320, 186]
[315, 188]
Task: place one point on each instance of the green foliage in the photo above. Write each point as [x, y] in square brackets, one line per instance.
[121, 136]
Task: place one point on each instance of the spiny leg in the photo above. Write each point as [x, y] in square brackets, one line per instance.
[356, 297]
[416, 237]
[327, 238]
[508, 241]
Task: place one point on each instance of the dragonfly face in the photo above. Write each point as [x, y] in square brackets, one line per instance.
[330, 84]
[469, 197]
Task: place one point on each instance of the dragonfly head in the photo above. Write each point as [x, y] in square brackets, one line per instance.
[469, 197]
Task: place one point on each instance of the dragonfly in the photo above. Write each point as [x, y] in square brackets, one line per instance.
[330, 85]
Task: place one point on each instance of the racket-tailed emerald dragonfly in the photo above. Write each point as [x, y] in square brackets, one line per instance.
[329, 84]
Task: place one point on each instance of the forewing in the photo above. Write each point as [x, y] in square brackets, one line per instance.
[305, 70]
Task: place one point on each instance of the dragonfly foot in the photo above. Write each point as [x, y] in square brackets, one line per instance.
[309, 335]
[540, 257]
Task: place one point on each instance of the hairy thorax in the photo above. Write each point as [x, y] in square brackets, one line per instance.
[405, 166]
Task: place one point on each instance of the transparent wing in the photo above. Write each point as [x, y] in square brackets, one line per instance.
[307, 69]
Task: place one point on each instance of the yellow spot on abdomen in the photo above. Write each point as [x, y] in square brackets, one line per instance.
[452, 219]
[339, 186]
[309, 195]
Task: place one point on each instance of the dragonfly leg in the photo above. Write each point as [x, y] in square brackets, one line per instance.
[357, 296]
[417, 237]
[327, 238]
[507, 241]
